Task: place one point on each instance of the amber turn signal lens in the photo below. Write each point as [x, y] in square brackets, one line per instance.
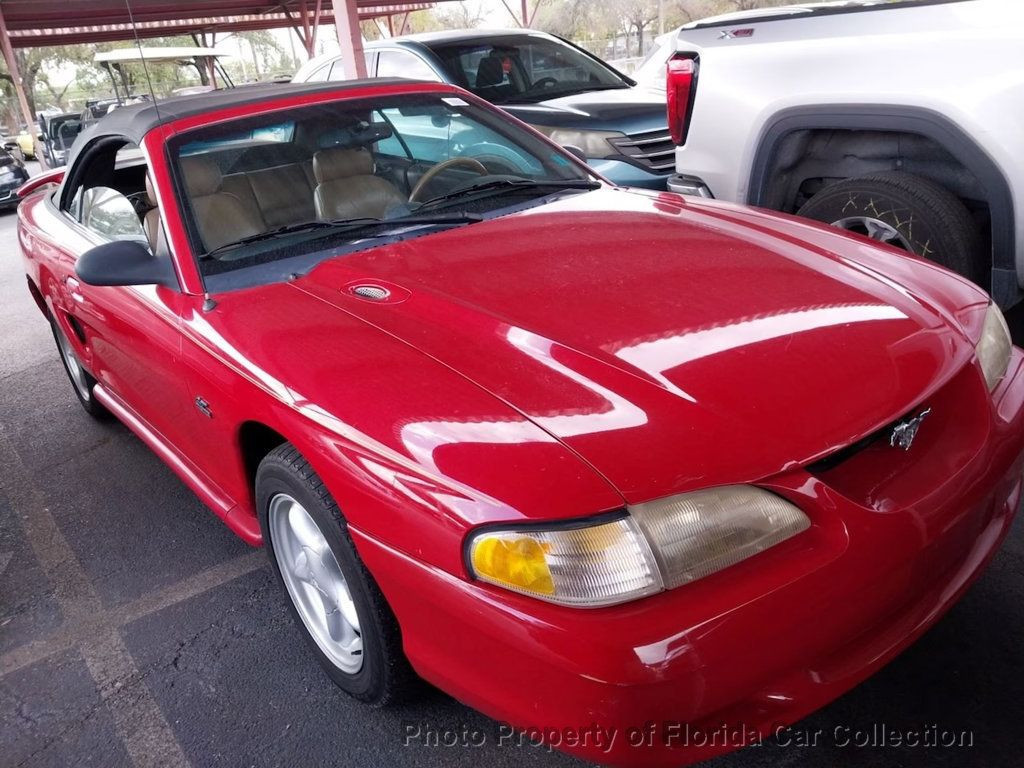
[515, 562]
[602, 563]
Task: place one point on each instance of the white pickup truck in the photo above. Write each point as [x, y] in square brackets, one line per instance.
[901, 120]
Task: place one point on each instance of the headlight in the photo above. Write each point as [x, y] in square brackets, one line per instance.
[994, 348]
[656, 546]
[593, 143]
[696, 534]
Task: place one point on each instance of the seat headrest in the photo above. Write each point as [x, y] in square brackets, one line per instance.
[202, 176]
[331, 164]
[490, 72]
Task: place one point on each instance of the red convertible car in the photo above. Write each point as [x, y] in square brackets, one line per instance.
[587, 458]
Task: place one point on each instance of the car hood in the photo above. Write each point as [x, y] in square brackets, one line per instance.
[669, 344]
[629, 110]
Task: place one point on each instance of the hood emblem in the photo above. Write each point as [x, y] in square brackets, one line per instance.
[904, 432]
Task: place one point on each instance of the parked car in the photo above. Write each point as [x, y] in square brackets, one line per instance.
[11, 146]
[25, 142]
[849, 114]
[12, 176]
[58, 134]
[573, 453]
[562, 90]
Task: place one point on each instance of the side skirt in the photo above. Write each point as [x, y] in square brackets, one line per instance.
[244, 525]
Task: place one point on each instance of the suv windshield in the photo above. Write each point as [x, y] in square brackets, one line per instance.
[524, 69]
[276, 194]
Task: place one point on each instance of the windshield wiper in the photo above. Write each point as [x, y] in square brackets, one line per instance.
[346, 226]
[511, 185]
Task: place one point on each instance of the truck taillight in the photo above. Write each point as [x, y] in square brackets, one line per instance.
[681, 82]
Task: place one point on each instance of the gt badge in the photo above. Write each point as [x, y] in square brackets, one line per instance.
[903, 434]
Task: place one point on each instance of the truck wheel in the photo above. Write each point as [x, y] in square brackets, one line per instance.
[908, 212]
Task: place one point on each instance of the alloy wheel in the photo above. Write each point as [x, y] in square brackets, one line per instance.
[75, 369]
[876, 229]
[315, 582]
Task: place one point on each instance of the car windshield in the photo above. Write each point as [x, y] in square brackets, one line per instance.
[275, 194]
[524, 69]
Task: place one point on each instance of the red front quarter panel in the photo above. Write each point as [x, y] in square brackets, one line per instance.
[412, 452]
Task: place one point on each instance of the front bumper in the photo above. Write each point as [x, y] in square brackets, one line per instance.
[720, 663]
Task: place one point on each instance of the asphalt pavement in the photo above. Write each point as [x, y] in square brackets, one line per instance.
[136, 630]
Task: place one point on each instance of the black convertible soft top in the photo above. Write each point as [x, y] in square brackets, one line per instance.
[136, 120]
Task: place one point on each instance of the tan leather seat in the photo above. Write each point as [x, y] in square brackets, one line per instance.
[220, 216]
[347, 189]
[237, 184]
[283, 194]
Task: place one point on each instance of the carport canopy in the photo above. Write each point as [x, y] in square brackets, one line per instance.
[30, 23]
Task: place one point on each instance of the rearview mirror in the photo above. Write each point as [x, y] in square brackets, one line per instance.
[576, 152]
[124, 262]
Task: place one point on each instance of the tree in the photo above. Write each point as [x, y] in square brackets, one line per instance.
[750, 5]
[569, 18]
[632, 17]
[29, 61]
[462, 15]
[35, 66]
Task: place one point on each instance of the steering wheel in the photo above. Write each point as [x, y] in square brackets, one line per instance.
[456, 162]
[140, 202]
[544, 82]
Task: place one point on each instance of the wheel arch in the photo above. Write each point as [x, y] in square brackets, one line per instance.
[255, 440]
[37, 297]
[903, 120]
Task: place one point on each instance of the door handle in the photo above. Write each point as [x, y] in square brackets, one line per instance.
[74, 289]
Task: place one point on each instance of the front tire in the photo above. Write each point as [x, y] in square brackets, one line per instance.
[908, 212]
[334, 600]
[82, 381]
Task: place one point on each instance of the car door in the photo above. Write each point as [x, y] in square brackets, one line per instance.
[129, 337]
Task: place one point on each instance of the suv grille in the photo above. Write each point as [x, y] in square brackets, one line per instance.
[653, 150]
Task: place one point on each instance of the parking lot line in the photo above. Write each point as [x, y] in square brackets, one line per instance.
[71, 634]
[204, 581]
[138, 720]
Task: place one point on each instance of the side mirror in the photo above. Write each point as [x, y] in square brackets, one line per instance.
[124, 262]
[576, 152]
